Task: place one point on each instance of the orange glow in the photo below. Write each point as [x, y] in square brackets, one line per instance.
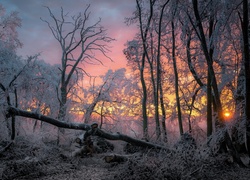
[227, 115]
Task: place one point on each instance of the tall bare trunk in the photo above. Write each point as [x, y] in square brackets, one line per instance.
[163, 119]
[176, 80]
[245, 26]
[144, 103]
[144, 34]
[151, 63]
[209, 88]
[158, 77]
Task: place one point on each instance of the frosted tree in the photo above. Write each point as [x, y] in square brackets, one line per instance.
[145, 53]
[144, 31]
[38, 88]
[174, 58]
[8, 29]
[80, 40]
[105, 97]
[10, 62]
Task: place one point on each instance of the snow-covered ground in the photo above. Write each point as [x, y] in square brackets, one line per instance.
[43, 161]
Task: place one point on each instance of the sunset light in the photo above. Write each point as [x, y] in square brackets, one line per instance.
[227, 115]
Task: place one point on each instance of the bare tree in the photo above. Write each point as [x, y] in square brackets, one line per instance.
[158, 91]
[105, 92]
[205, 48]
[176, 73]
[144, 30]
[10, 62]
[11, 88]
[79, 42]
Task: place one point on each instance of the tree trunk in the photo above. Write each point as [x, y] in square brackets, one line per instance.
[158, 75]
[62, 108]
[209, 107]
[194, 74]
[245, 32]
[214, 85]
[144, 34]
[63, 101]
[102, 116]
[163, 119]
[176, 80]
[154, 84]
[144, 103]
[209, 82]
[158, 80]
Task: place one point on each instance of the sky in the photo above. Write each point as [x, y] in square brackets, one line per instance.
[36, 37]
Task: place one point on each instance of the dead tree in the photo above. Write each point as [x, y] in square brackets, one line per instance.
[79, 43]
[91, 129]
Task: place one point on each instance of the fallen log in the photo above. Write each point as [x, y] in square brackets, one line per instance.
[34, 115]
[91, 129]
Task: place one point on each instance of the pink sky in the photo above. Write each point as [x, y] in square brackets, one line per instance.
[37, 38]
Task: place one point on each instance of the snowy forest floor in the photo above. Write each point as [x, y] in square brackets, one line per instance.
[44, 161]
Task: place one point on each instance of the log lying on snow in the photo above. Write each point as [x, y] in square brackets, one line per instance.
[92, 130]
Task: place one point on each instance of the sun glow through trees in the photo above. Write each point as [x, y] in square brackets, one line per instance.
[227, 115]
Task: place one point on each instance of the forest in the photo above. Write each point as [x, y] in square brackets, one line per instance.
[180, 109]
